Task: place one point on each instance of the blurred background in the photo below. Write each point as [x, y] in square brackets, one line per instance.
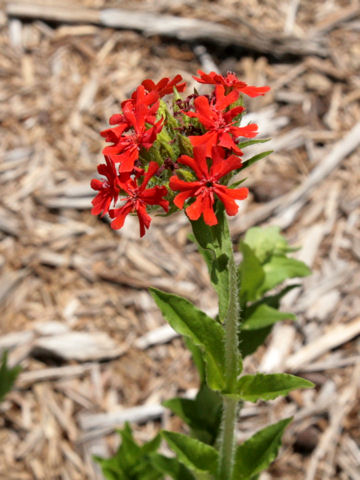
[74, 307]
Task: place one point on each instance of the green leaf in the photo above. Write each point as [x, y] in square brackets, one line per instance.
[131, 460]
[272, 300]
[197, 456]
[110, 469]
[7, 376]
[202, 414]
[251, 274]
[250, 340]
[267, 387]
[263, 316]
[198, 358]
[256, 454]
[256, 158]
[266, 242]
[205, 332]
[214, 244]
[247, 143]
[151, 446]
[239, 182]
[279, 269]
[172, 467]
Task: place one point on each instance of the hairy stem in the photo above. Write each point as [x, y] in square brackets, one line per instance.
[227, 441]
[232, 361]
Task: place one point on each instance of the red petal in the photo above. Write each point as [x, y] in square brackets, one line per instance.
[226, 140]
[249, 131]
[195, 209]
[120, 214]
[144, 219]
[209, 139]
[180, 198]
[230, 205]
[221, 167]
[127, 159]
[148, 84]
[223, 101]
[209, 214]
[153, 168]
[228, 197]
[96, 184]
[205, 77]
[254, 91]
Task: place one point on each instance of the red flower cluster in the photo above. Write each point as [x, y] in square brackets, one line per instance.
[148, 144]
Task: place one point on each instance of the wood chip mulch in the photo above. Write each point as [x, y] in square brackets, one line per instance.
[74, 307]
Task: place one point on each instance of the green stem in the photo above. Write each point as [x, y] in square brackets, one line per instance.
[227, 441]
[232, 361]
[232, 354]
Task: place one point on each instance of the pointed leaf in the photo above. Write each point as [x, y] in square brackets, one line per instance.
[7, 376]
[110, 468]
[247, 143]
[151, 446]
[205, 332]
[172, 467]
[197, 456]
[129, 451]
[256, 454]
[273, 300]
[267, 387]
[131, 460]
[256, 158]
[263, 316]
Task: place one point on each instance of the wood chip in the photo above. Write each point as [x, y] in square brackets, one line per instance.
[80, 346]
[332, 339]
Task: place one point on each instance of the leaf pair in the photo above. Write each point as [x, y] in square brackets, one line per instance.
[251, 457]
[194, 459]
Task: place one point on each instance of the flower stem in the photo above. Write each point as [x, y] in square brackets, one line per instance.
[227, 441]
[232, 362]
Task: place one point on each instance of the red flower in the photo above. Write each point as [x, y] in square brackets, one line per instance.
[126, 148]
[140, 98]
[137, 199]
[140, 109]
[165, 86]
[207, 185]
[231, 82]
[108, 189]
[219, 124]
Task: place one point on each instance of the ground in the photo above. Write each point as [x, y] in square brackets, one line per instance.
[63, 271]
